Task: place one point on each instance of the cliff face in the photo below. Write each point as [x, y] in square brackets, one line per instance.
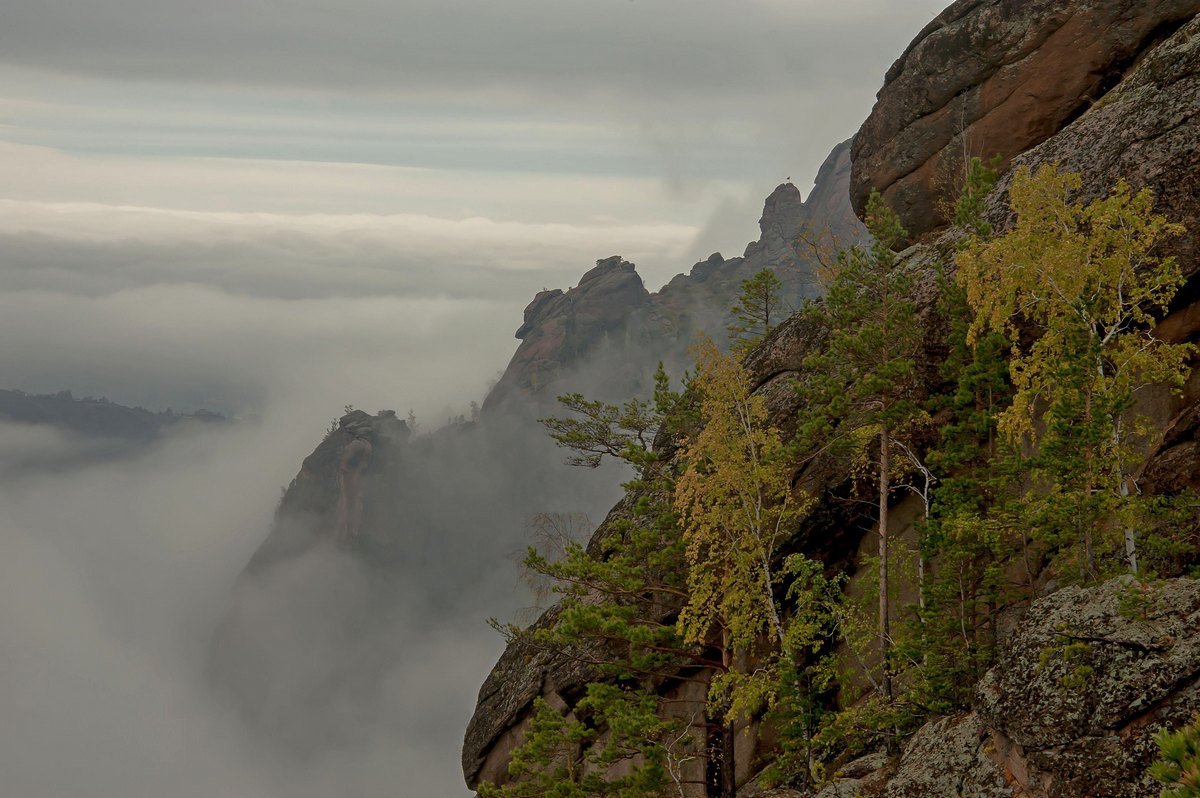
[344, 478]
[998, 77]
[1107, 88]
[610, 323]
[1145, 130]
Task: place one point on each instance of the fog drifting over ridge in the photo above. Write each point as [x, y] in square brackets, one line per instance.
[107, 611]
[273, 209]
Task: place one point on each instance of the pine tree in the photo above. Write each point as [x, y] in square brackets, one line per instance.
[859, 392]
[615, 613]
[612, 751]
[758, 310]
[964, 534]
[1179, 766]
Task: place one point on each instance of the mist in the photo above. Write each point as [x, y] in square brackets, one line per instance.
[277, 211]
[118, 571]
[111, 581]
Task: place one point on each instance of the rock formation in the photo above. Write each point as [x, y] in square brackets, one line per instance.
[344, 478]
[1108, 88]
[378, 527]
[611, 324]
[1036, 732]
[998, 77]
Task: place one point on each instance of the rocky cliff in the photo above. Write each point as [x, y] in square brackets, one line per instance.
[611, 325]
[989, 78]
[1037, 732]
[1108, 88]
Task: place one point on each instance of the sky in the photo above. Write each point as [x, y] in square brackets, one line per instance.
[178, 177]
[275, 208]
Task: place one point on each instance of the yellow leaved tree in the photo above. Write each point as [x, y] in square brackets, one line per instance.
[1078, 288]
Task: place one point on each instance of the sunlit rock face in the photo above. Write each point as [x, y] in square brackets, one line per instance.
[997, 77]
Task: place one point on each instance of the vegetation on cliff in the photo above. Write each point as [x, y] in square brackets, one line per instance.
[1022, 447]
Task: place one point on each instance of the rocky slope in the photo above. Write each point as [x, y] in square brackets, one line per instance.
[1108, 88]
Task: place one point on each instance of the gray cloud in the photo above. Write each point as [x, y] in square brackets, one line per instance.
[708, 46]
[687, 91]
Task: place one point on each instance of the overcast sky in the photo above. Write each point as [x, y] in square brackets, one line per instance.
[247, 157]
[190, 192]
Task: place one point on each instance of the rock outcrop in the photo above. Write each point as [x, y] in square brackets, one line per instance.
[998, 77]
[1069, 711]
[610, 310]
[344, 477]
[526, 672]
[611, 324]
[376, 524]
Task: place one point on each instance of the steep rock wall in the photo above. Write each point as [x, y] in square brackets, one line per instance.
[996, 77]
[1036, 733]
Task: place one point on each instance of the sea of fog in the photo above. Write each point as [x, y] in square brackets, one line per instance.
[114, 574]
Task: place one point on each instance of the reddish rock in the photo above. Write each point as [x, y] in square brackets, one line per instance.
[990, 77]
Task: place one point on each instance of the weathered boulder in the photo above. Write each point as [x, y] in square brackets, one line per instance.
[1071, 707]
[997, 77]
[948, 758]
[1087, 679]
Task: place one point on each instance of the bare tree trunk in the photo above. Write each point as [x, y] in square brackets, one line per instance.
[1130, 537]
[728, 765]
[884, 622]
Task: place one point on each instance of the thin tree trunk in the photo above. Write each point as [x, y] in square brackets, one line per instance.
[1130, 536]
[772, 610]
[921, 585]
[884, 623]
[728, 765]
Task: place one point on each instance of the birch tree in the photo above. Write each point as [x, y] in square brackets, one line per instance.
[1078, 288]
